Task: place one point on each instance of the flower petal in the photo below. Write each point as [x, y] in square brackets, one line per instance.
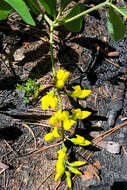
[67, 124]
[55, 132]
[60, 84]
[84, 93]
[79, 140]
[49, 137]
[44, 103]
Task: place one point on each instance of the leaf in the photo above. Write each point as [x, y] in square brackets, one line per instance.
[19, 87]
[74, 170]
[116, 26]
[68, 178]
[32, 4]
[22, 10]
[5, 10]
[121, 10]
[49, 6]
[77, 163]
[64, 3]
[76, 25]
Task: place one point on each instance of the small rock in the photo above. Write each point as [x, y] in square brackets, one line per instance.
[113, 147]
[18, 55]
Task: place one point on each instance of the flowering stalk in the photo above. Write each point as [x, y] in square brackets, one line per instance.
[62, 120]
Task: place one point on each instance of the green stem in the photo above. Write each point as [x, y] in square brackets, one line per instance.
[54, 75]
[59, 98]
[60, 107]
[51, 52]
[82, 14]
[49, 21]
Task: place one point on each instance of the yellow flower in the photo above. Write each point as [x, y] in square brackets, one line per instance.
[78, 114]
[62, 116]
[79, 93]
[68, 123]
[48, 100]
[53, 101]
[55, 132]
[49, 137]
[56, 118]
[53, 120]
[79, 140]
[44, 103]
[60, 84]
[62, 76]
[62, 153]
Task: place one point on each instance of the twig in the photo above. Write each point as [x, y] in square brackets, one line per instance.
[30, 130]
[44, 148]
[15, 153]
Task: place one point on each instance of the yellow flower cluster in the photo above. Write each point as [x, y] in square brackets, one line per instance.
[62, 76]
[79, 140]
[60, 167]
[78, 114]
[65, 121]
[50, 136]
[78, 92]
[48, 100]
[64, 117]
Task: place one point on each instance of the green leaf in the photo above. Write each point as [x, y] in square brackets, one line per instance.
[5, 10]
[76, 25]
[77, 163]
[116, 26]
[22, 10]
[64, 3]
[68, 178]
[26, 100]
[122, 11]
[32, 4]
[41, 85]
[49, 6]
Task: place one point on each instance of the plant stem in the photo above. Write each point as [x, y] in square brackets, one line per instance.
[60, 107]
[59, 98]
[51, 51]
[61, 22]
[54, 75]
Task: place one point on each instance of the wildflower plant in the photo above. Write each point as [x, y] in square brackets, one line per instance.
[63, 120]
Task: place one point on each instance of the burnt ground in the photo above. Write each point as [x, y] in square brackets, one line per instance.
[24, 53]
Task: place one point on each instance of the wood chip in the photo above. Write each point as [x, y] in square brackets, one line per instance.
[3, 166]
[91, 171]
